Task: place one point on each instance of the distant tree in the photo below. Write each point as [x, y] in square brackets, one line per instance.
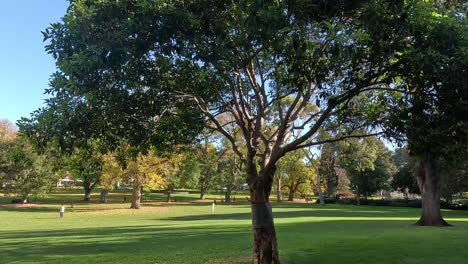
[112, 173]
[295, 175]
[86, 163]
[23, 171]
[230, 173]
[454, 178]
[327, 167]
[7, 130]
[208, 158]
[367, 162]
[404, 179]
[312, 164]
[153, 172]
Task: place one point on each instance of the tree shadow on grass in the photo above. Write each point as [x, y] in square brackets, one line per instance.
[343, 241]
[278, 214]
[133, 242]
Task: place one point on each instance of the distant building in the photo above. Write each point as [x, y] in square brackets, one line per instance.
[68, 181]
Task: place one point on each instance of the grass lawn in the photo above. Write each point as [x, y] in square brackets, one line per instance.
[187, 232]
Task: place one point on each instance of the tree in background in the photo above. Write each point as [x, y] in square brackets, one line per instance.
[25, 172]
[295, 175]
[367, 162]
[112, 173]
[319, 181]
[454, 178]
[404, 179]
[151, 171]
[7, 130]
[207, 158]
[230, 173]
[86, 163]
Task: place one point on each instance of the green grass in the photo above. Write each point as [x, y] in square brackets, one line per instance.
[187, 232]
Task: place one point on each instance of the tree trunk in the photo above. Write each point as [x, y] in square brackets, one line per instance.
[358, 198]
[169, 193]
[265, 246]
[279, 197]
[88, 187]
[136, 198]
[87, 196]
[319, 187]
[104, 194]
[227, 196]
[202, 194]
[449, 199]
[429, 185]
[291, 194]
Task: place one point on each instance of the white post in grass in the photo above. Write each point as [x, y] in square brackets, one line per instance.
[212, 207]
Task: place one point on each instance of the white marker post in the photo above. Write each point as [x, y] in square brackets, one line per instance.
[212, 207]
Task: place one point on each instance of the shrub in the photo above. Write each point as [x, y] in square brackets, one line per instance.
[415, 203]
[346, 201]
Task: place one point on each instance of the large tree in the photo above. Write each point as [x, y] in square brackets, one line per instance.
[237, 63]
[432, 64]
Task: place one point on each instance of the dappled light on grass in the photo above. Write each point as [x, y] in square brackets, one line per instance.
[170, 232]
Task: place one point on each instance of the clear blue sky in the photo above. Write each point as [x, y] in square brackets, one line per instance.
[25, 67]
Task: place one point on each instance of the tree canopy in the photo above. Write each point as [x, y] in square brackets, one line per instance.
[155, 72]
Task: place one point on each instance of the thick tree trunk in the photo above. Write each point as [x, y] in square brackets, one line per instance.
[358, 198]
[429, 185]
[227, 196]
[104, 194]
[136, 197]
[291, 194]
[265, 248]
[202, 194]
[88, 187]
[279, 197]
[87, 196]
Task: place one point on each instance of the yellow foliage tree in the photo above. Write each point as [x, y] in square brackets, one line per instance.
[153, 172]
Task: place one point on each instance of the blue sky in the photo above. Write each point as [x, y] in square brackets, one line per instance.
[25, 67]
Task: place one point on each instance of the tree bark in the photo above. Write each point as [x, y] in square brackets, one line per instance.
[202, 194]
[104, 194]
[227, 196]
[291, 194]
[279, 197]
[429, 185]
[136, 197]
[88, 187]
[265, 245]
[358, 198]
[319, 181]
